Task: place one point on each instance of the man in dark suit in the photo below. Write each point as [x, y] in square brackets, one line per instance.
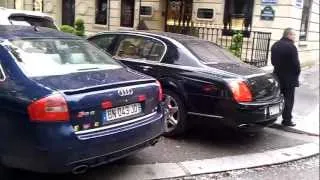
[284, 58]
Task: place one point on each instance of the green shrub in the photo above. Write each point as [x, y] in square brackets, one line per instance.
[79, 27]
[236, 44]
[67, 29]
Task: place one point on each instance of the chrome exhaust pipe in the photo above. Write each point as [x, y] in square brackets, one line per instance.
[81, 169]
[243, 126]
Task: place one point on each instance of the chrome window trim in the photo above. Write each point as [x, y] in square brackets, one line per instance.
[3, 74]
[115, 125]
[140, 35]
[205, 115]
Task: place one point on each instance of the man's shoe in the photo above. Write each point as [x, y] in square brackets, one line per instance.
[288, 123]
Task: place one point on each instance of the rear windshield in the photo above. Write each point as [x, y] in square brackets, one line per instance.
[47, 57]
[209, 52]
[31, 21]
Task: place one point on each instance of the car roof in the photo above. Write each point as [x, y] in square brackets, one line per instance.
[175, 36]
[12, 32]
[5, 13]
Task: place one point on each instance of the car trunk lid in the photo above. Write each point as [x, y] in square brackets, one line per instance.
[101, 98]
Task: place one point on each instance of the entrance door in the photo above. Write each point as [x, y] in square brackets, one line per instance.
[127, 13]
[68, 12]
[178, 12]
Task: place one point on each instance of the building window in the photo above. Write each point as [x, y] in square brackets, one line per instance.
[238, 16]
[146, 11]
[101, 12]
[37, 5]
[305, 20]
[205, 13]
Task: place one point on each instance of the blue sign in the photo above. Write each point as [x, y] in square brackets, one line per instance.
[269, 1]
[267, 13]
[299, 3]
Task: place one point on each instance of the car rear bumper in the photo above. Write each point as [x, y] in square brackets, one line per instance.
[109, 145]
[251, 116]
[254, 116]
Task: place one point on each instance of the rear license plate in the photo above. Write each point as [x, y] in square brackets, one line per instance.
[274, 109]
[123, 111]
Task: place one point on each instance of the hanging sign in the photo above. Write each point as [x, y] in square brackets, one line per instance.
[269, 2]
[267, 13]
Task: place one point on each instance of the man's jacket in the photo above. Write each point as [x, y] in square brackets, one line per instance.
[285, 59]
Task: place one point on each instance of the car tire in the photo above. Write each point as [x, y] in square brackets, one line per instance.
[175, 114]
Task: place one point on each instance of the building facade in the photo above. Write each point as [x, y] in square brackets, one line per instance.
[271, 16]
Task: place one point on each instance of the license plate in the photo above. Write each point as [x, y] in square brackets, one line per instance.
[274, 110]
[123, 111]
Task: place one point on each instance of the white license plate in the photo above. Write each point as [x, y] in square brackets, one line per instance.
[274, 110]
[123, 111]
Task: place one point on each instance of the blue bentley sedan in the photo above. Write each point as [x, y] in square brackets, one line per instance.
[67, 106]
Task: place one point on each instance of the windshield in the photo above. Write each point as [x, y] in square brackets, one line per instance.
[209, 52]
[47, 57]
[31, 21]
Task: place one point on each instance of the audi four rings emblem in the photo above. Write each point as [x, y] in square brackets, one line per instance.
[125, 92]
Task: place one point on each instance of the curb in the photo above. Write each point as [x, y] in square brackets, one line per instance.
[189, 168]
[292, 129]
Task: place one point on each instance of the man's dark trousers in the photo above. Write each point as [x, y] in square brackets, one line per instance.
[288, 93]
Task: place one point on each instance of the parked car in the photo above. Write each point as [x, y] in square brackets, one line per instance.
[26, 18]
[66, 105]
[199, 78]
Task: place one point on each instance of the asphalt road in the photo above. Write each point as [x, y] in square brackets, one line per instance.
[305, 169]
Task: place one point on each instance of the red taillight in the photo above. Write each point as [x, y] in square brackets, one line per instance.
[160, 95]
[240, 91]
[49, 109]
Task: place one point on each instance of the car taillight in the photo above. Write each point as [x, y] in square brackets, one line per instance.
[160, 95]
[240, 91]
[52, 108]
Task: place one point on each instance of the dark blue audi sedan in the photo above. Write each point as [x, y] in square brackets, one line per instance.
[66, 106]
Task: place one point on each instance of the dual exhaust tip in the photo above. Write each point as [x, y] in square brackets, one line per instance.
[82, 169]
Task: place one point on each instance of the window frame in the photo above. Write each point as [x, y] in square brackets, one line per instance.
[98, 10]
[139, 60]
[206, 19]
[228, 28]
[144, 15]
[307, 21]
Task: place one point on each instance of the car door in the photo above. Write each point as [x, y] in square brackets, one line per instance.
[141, 53]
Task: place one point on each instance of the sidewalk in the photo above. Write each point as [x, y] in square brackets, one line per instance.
[306, 107]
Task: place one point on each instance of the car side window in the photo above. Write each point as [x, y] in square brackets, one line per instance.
[104, 41]
[136, 47]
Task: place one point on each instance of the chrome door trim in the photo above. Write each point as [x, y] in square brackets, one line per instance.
[3, 74]
[205, 115]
